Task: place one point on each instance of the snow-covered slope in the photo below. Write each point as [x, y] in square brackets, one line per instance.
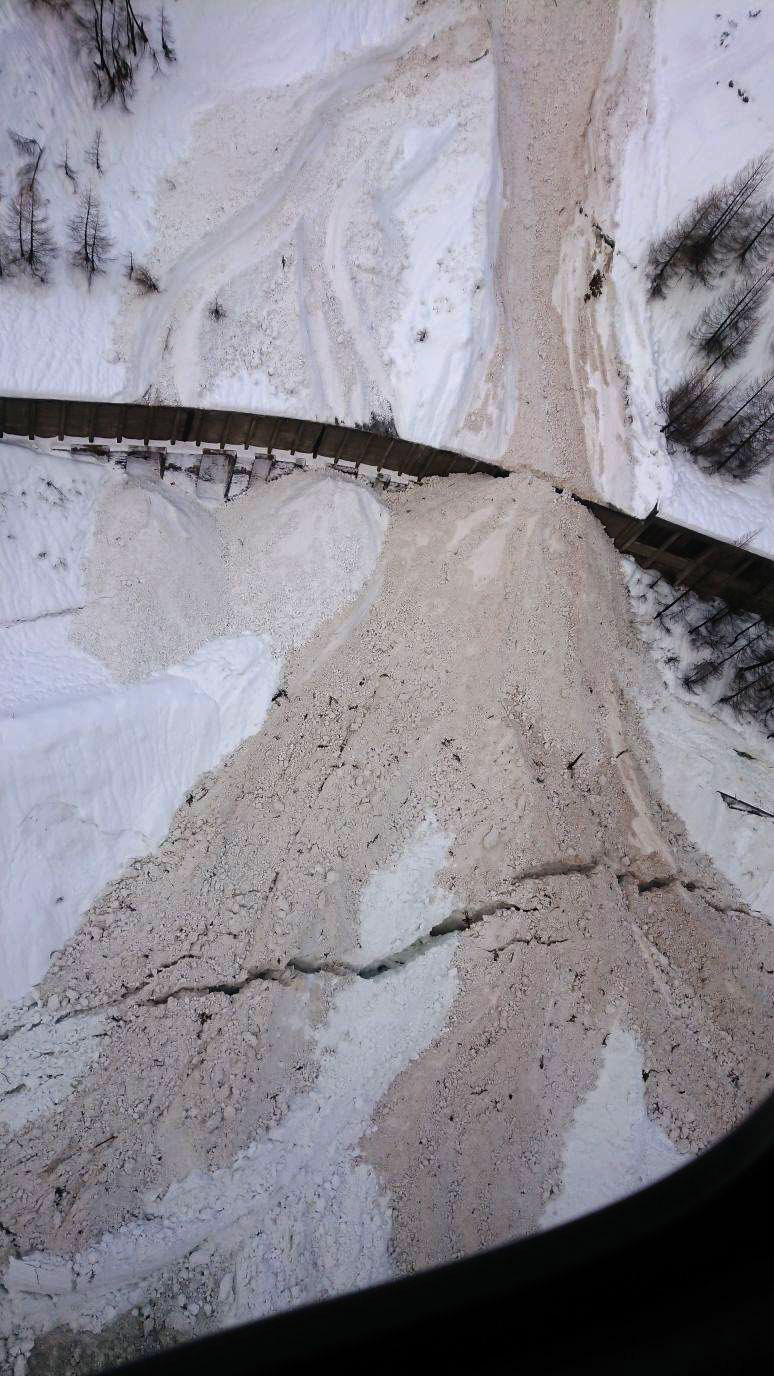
[706, 109]
[95, 763]
[322, 169]
[702, 750]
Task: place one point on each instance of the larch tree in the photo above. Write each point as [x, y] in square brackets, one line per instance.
[90, 243]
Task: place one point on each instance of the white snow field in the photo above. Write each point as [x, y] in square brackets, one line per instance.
[301, 164]
[94, 764]
[703, 107]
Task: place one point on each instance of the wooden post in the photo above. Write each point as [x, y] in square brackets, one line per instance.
[273, 437]
[364, 454]
[92, 419]
[31, 419]
[224, 432]
[318, 442]
[399, 468]
[147, 427]
[121, 424]
[199, 424]
[340, 449]
[61, 423]
[2, 417]
[173, 436]
[299, 428]
[426, 450]
[385, 457]
[250, 429]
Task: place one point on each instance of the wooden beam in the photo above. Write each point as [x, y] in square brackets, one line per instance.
[662, 549]
[634, 529]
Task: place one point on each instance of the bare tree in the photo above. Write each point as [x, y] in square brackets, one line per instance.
[4, 253]
[744, 442]
[90, 243]
[701, 241]
[27, 225]
[118, 41]
[93, 154]
[754, 240]
[689, 406]
[142, 277]
[725, 327]
[67, 169]
[167, 38]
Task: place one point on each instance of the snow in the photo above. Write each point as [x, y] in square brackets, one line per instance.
[401, 904]
[367, 217]
[702, 750]
[693, 131]
[90, 783]
[43, 1066]
[306, 1215]
[94, 768]
[612, 1148]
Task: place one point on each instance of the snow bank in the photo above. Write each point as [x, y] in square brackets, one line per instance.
[706, 109]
